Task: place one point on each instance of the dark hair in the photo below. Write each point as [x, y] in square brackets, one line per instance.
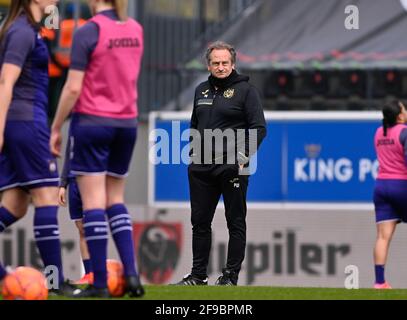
[220, 45]
[17, 7]
[391, 111]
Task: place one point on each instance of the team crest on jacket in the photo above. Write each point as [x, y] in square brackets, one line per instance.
[229, 93]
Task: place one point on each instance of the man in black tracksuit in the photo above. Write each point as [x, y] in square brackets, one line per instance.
[226, 103]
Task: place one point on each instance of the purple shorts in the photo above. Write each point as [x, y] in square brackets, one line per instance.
[26, 160]
[390, 199]
[75, 201]
[101, 149]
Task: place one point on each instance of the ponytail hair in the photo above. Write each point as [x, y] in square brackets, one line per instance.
[17, 7]
[121, 8]
[385, 127]
[391, 111]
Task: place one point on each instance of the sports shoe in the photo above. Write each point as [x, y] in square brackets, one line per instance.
[380, 286]
[134, 287]
[228, 278]
[190, 280]
[91, 292]
[65, 289]
[86, 279]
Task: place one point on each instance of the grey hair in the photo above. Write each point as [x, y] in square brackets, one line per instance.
[220, 45]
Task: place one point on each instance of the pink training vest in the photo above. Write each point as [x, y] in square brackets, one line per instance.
[390, 152]
[110, 83]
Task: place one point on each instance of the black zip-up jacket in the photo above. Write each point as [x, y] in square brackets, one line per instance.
[231, 103]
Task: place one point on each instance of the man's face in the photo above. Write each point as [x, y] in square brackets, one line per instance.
[220, 65]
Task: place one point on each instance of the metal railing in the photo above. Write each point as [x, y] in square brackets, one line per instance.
[171, 41]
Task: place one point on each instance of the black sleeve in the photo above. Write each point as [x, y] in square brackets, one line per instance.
[255, 121]
[64, 181]
[194, 120]
[193, 127]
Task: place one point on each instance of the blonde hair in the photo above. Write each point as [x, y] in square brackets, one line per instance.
[121, 8]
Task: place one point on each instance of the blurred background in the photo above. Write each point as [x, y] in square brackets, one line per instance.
[176, 33]
[298, 53]
[323, 70]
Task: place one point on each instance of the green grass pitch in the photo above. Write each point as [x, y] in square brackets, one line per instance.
[268, 293]
[264, 293]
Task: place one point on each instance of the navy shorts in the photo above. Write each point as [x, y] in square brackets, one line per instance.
[75, 201]
[101, 150]
[26, 160]
[390, 199]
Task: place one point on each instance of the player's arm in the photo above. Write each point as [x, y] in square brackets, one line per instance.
[62, 196]
[403, 141]
[69, 97]
[64, 181]
[84, 41]
[8, 77]
[18, 45]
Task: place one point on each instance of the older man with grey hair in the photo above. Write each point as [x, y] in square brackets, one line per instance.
[226, 104]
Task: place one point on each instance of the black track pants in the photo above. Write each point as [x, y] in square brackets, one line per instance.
[207, 183]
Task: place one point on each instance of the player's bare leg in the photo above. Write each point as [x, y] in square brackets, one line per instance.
[83, 247]
[122, 232]
[385, 233]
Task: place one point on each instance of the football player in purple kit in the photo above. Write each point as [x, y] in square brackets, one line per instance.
[69, 195]
[27, 167]
[101, 90]
[390, 194]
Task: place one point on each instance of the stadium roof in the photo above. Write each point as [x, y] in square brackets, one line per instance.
[308, 34]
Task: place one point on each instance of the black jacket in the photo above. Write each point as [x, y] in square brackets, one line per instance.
[235, 104]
